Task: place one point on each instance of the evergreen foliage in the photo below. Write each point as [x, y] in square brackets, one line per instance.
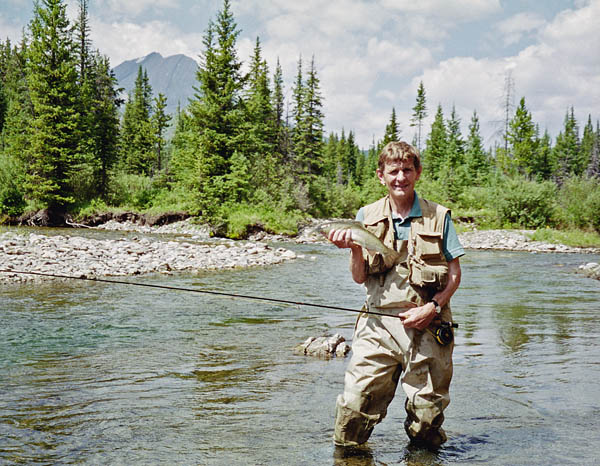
[419, 113]
[240, 159]
[52, 80]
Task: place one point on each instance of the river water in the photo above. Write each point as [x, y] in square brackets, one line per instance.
[98, 373]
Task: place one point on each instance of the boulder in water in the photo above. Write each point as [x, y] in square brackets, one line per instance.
[326, 346]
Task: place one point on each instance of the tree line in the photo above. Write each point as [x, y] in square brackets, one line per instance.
[241, 154]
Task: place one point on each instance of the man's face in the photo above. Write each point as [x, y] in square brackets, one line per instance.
[399, 178]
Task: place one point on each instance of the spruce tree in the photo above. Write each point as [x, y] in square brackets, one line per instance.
[419, 113]
[475, 156]
[521, 139]
[392, 130]
[566, 149]
[436, 145]
[216, 113]
[138, 155]
[311, 161]
[278, 103]
[543, 164]
[52, 79]
[160, 123]
[593, 169]
[587, 145]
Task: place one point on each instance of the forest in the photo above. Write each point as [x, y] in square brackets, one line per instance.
[241, 157]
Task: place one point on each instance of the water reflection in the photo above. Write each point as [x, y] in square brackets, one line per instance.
[90, 374]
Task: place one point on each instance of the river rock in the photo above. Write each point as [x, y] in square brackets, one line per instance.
[81, 256]
[591, 270]
[326, 346]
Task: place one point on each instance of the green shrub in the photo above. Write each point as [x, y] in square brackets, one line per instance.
[136, 191]
[242, 219]
[579, 203]
[12, 201]
[526, 204]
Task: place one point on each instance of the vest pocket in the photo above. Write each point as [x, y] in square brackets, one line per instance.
[428, 276]
[428, 245]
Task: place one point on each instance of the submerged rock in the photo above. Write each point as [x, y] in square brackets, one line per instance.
[326, 346]
[591, 270]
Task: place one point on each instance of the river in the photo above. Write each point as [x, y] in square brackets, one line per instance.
[97, 373]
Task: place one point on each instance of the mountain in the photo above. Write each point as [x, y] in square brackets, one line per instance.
[174, 76]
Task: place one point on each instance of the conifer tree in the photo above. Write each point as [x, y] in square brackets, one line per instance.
[436, 145]
[137, 149]
[160, 122]
[312, 159]
[455, 147]
[587, 144]
[593, 169]
[102, 120]
[521, 139]
[392, 130]
[258, 126]
[419, 113]
[52, 79]
[16, 134]
[543, 164]
[216, 113]
[475, 156]
[278, 103]
[566, 149]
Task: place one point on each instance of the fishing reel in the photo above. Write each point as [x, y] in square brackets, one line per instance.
[443, 334]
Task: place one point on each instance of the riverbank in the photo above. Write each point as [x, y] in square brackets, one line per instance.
[78, 256]
[189, 248]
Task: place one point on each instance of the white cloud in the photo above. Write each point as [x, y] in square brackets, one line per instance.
[513, 29]
[458, 10]
[561, 70]
[124, 41]
[134, 7]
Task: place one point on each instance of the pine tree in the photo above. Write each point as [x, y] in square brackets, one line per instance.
[593, 169]
[103, 120]
[566, 149]
[521, 139]
[392, 130]
[543, 163]
[259, 142]
[312, 160]
[15, 138]
[52, 78]
[587, 145]
[475, 156]
[216, 114]
[278, 102]
[137, 149]
[436, 145]
[455, 147]
[419, 113]
[160, 122]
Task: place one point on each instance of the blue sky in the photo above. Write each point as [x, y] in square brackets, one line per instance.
[372, 54]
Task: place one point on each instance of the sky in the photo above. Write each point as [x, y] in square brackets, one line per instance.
[371, 55]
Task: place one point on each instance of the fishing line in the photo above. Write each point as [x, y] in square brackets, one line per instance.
[195, 290]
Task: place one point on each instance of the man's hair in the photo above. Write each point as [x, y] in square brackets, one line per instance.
[396, 151]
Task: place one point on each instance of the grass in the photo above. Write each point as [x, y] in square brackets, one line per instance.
[572, 237]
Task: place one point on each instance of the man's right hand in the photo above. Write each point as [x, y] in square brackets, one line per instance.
[342, 239]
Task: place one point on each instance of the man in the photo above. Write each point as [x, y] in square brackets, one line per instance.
[414, 292]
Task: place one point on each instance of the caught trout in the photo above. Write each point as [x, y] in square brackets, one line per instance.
[360, 236]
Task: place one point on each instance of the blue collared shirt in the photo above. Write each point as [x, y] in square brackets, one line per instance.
[451, 245]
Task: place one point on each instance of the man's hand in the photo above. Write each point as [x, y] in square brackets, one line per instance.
[418, 317]
[342, 239]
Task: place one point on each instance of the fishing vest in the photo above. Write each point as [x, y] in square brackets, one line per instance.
[421, 269]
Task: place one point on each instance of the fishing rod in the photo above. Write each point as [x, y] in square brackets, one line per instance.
[194, 290]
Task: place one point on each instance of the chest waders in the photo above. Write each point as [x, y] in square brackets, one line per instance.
[384, 352]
